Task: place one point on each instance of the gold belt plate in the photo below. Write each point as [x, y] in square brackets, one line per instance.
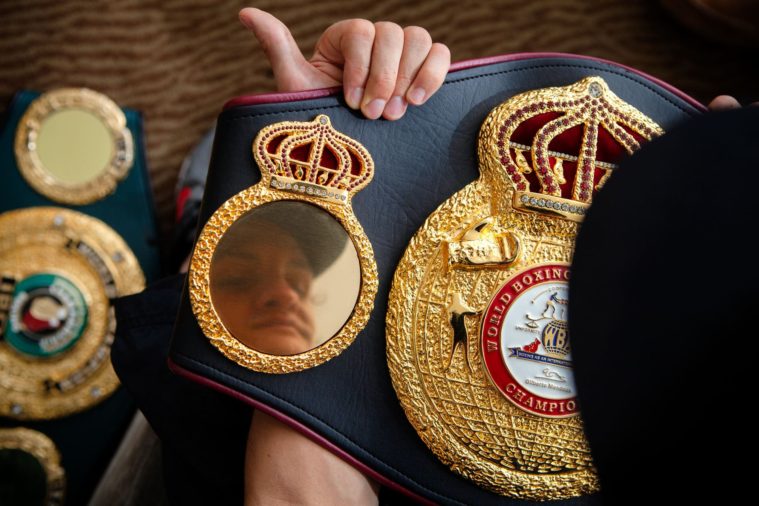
[477, 339]
[60, 271]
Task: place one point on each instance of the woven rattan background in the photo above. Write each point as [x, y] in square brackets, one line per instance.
[178, 61]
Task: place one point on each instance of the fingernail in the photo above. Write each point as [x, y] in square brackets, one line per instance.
[395, 108]
[416, 96]
[374, 109]
[244, 20]
[354, 97]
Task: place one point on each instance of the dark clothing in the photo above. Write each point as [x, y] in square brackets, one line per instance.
[663, 295]
[203, 433]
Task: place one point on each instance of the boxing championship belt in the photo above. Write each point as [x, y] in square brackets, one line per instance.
[397, 291]
[77, 230]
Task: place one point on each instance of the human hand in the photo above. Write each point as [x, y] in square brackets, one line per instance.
[723, 103]
[726, 102]
[283, 467]
[381, 66]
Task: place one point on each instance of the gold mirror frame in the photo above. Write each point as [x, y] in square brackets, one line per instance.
[39, 177]
[279, 183]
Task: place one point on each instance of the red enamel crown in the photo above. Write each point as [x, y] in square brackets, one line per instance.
[314, 156]
[565, 142]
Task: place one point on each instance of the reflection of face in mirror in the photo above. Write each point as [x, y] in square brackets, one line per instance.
[285, 278]
[74, 146]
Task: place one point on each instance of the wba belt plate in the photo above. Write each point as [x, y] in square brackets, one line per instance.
[478, 345]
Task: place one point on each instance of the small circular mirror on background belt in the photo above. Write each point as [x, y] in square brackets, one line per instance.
[72, 146]
[481, 357]
[59, 272]
[282, 277]
[30, 461]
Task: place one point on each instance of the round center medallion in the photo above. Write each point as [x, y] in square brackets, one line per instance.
[525, 341]
[47, 316]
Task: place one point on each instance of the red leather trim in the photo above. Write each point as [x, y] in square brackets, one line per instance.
[477, 62]
[272, 98]
[306, 431]
[275, 98]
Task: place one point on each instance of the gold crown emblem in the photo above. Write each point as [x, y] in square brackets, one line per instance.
[557, 146]
[312, 158]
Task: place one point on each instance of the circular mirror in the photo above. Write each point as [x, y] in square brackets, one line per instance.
[74, 146]
[285, 278]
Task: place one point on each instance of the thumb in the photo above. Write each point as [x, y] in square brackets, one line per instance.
[291, 70]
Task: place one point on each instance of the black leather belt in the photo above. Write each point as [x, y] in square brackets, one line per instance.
[348, 403]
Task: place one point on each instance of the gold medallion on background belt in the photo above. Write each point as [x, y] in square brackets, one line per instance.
[60, 270]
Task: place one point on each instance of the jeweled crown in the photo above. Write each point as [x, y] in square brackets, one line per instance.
[312, 158]
[559, 145]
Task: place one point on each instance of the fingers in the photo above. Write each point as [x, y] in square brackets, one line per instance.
[383, 73]
[291, 70]
[385, 67]
[723, 102]
[416, 46]
[431, 75]
[352, 45]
